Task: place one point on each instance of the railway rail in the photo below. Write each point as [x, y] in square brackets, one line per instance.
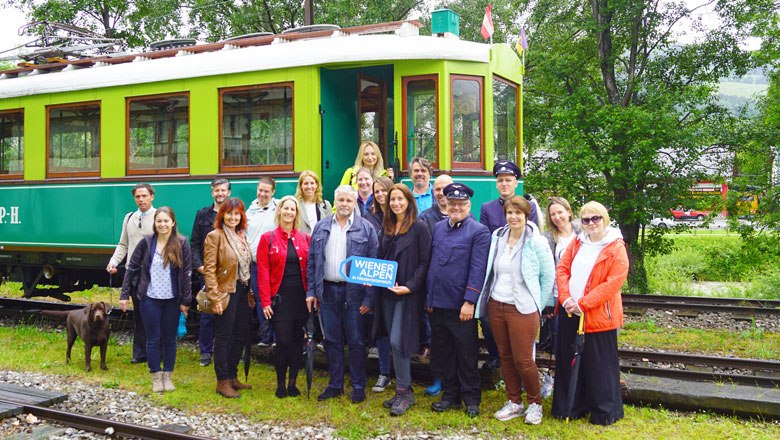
[100, 425]
[734, 306]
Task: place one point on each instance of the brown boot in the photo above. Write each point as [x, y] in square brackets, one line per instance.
[224, 388]
[238, 385]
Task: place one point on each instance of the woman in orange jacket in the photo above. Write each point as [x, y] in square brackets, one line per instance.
[589, 278]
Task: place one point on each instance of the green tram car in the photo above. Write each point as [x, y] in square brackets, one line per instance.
[75, 136]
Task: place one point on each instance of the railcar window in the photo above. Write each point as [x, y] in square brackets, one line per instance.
[467, 122]
[74, 140]
[11, 144]
[257, 128]
[420, 118]
[505, 120]
[158, 139]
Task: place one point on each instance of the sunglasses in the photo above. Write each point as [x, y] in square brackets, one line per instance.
[588, 220]
[140, 223]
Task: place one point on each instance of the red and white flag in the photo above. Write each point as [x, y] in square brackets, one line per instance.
[487, 24]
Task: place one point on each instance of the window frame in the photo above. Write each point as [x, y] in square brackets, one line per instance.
[404, 115]
[53, 174]
[255, 168]
[468, 165]
[20, 175]
[179, 170]
[517, 114]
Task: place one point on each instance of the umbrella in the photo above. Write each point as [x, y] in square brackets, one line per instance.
[579, 344]
[247, 350]
[309, 353]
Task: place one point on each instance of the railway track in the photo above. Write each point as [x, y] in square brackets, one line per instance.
[734, 306]
[100, 425]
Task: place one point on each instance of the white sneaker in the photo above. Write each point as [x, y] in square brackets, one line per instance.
[509, 411]
[533, 416]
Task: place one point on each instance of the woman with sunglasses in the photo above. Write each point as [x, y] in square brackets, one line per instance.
[590, 276]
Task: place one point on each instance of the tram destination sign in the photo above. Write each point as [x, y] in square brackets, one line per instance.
[371, 271]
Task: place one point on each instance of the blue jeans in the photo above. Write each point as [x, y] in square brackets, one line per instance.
[266, 330]
[393, 313]
[340, 319]
[161, 321]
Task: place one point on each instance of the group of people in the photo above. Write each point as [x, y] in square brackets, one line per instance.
[282, 259]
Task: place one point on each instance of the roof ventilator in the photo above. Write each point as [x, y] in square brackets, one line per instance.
[172, 44]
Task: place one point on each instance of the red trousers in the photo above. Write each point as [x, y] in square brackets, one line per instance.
[515, 335]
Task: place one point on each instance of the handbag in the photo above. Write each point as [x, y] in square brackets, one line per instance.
[206, 305]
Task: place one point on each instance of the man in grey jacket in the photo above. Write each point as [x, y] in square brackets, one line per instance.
[341, 304]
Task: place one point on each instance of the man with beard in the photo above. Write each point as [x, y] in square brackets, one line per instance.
[204, 223]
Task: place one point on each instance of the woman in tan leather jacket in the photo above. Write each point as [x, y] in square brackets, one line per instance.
[226, 261]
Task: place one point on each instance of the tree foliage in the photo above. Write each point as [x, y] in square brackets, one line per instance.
[627, 114]
[137, 23]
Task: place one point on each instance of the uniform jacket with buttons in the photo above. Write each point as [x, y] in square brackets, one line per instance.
[492, 215]
[458, 260]
[272, 259]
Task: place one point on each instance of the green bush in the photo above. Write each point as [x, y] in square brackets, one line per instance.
[765, 285]
[754, 260]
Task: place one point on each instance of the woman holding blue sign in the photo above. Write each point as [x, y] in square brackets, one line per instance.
[406, 240]
[282, 256]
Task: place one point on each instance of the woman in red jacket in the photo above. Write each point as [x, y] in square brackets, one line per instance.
[282, 256]
[590, 276]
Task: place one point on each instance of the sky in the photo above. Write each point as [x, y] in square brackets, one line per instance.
[11, 19]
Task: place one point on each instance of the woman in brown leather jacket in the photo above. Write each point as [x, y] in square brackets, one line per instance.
[226, 261]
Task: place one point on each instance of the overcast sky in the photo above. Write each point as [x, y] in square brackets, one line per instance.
[12, 19]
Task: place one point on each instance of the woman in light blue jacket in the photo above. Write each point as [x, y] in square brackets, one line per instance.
[518, 285]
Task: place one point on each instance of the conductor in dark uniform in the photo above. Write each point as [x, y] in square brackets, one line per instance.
[456, 273]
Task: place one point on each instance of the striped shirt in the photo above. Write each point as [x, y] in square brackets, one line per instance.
[336, 249]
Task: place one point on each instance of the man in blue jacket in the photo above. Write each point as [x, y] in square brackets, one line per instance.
[455, 277]
[342, 305]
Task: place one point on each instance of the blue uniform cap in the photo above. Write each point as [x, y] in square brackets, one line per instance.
[506, 167]
[458, 191]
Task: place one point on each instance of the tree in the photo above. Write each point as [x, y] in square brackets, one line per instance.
[631, 114]
[214, 21]
[138, 23]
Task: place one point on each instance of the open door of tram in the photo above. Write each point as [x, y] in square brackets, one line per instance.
[356, 106]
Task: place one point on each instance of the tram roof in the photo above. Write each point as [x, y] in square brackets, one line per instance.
[349, 45]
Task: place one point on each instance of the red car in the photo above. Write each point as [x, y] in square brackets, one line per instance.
[689, 214]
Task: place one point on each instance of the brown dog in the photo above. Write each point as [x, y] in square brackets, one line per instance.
[91, 324]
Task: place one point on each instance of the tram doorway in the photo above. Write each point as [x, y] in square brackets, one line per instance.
[356, 104]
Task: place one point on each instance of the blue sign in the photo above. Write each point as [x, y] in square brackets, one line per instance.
[371, 271]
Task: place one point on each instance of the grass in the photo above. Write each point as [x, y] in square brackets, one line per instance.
[755, 343]
[30, 349]
[750, 271]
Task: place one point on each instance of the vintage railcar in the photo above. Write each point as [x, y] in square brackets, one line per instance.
[76, 135]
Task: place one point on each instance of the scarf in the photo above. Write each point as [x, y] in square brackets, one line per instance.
[241, 249]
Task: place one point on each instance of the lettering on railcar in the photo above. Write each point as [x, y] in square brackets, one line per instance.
[10, 215]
